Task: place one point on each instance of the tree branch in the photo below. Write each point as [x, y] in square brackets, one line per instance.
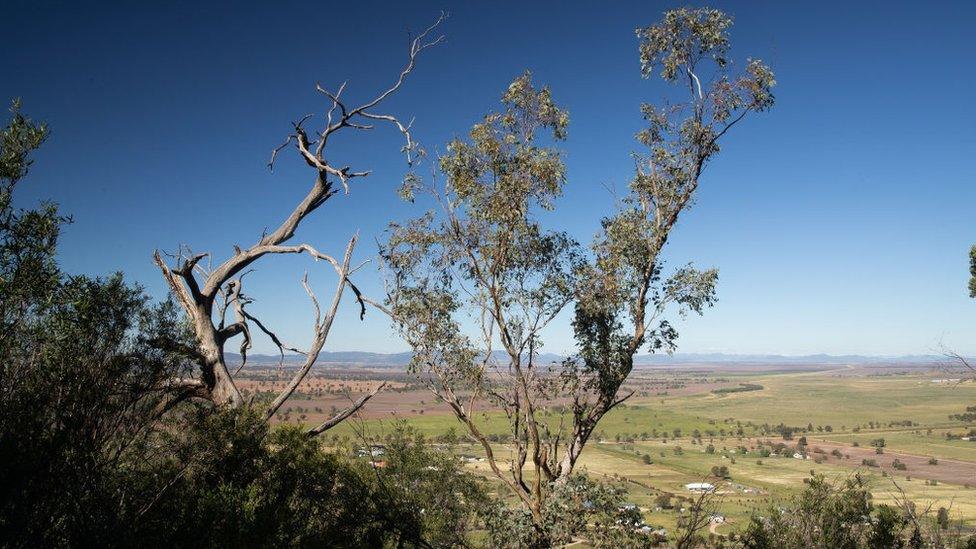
[320, 335]
[338, 418]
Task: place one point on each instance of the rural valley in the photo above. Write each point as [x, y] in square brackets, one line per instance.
[771, 426]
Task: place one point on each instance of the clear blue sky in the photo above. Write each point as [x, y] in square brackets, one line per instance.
[840, 221]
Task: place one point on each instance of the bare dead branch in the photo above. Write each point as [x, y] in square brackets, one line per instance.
[201, 288]
[278, 149]
[320, 335]
[315, 301]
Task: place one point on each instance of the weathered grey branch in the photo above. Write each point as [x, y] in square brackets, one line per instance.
[321, 334]
[197, 287]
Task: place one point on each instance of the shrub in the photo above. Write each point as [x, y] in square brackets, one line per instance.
[663, 501]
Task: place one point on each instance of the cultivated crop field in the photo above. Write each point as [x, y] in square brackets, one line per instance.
[681, 424]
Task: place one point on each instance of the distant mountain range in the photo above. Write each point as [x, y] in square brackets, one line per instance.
[711, 358]
[367, 359]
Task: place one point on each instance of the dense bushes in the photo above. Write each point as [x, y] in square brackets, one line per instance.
[841, 515]
[238, 483]
[97, 448]
[580, 508]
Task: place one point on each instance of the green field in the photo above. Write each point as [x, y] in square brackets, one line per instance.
[823, 398]
[818, 398]
[865, 403]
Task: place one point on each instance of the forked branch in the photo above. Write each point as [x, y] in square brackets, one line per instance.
[198, 288]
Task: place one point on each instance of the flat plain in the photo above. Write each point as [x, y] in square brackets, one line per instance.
[684, 421]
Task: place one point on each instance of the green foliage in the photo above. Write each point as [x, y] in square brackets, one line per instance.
[28, 237]
[431, 488]
[886, 532]
[239, 483]
[681, 37]
[18, 140]
[972, 272]
[97, 447]
[742, 388]
[484, 254]
[79, 404]
[579, 507]
[827, 514]
[626, 280]
[663, 500]
[969, 416]
[80, 360]
[942, 518]
[487, 236]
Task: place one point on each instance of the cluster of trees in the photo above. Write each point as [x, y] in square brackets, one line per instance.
[841, 514]
[99, 445]
[483, 251]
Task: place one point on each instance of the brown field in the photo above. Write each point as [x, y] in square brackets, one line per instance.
[325, 390]
[947, 470]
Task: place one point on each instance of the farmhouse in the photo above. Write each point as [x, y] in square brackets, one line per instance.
[700, 487]
[374, 451]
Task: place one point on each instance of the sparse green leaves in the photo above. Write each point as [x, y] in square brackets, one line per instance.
[484, 250]
[408, 189]
[759, 84]
[502, 172]
[481, 273]
[692, 289]
[682, 38]
[528, 109]
[972, 272]
[28, 237]
[691, 49]
[21, 137]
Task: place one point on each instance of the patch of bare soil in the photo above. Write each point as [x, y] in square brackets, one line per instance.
[947, 470]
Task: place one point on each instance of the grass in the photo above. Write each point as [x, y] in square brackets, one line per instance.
[796, 399]
[915, 441]
[828, 399]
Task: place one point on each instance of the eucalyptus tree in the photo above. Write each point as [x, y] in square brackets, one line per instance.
[474, 282]
[209, 294]
[28, 237]
[81, 365]
[972, 272]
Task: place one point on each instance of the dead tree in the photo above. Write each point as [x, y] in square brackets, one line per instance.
[207, 294]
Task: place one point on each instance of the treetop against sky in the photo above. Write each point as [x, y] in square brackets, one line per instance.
[839, 222]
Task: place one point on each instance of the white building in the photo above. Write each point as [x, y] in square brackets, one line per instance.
[700, 487]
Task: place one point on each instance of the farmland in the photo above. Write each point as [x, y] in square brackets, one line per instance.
[682, 422]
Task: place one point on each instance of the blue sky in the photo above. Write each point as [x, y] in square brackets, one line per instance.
[840, 220]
